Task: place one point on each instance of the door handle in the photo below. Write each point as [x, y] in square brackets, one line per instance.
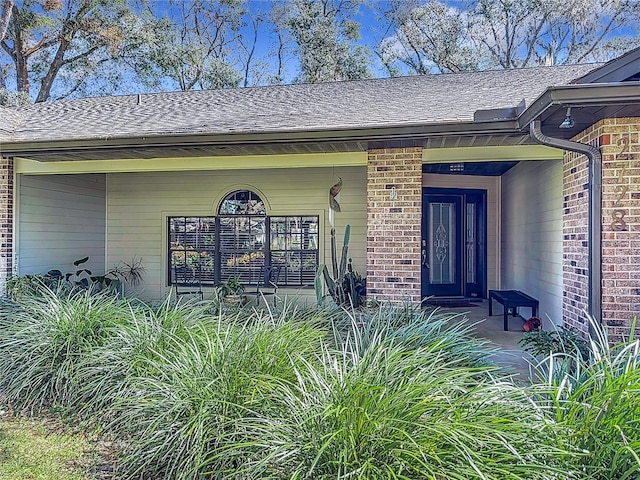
[424, 259]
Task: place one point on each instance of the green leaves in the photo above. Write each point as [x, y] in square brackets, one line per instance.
[80, 261]
[596, 399]
[396, 392]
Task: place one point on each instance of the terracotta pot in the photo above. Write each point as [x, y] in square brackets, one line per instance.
[240, 299]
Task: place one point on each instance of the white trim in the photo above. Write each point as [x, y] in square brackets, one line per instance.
[15, 255]
[253, 162]
[491, 154]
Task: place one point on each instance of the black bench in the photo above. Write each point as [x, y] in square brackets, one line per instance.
[511, 300]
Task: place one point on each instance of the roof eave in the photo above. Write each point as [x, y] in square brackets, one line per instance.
[581, 95]
[275, 137]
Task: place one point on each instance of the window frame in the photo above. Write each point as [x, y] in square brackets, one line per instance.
[313, 254]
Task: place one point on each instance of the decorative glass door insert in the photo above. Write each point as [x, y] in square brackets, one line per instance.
[442, 243]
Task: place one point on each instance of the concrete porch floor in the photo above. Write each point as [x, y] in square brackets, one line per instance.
[510, 354]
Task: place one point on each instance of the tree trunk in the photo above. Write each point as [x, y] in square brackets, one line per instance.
[22, 70]
[56, 64]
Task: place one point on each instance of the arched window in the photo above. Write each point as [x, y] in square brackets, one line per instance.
[242, 202]
[239, 241]
[243, 227]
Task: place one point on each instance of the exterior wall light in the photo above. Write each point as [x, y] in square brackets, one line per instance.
[568, 122]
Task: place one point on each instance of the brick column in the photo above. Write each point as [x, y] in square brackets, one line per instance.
[618, 140]
[6, 221]
[394, 215]
[620, 224]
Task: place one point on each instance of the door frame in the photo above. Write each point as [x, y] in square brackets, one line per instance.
[481, 235]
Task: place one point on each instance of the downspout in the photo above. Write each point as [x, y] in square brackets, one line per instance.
[594, 303]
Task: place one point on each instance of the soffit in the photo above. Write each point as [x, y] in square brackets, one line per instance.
[300, 148]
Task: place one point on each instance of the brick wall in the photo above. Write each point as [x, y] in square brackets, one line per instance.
[620, 224]
[394, 215]
[575, 234]
[618, 140]
[6, 221]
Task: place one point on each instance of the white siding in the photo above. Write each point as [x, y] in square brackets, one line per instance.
[138, 204]
[61, 218]
[492, 186]
[532, 234]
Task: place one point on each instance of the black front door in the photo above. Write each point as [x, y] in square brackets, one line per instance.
[453, 242]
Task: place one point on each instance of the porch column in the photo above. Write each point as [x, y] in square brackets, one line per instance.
[6, 221]
[394, 213]
[619, 143]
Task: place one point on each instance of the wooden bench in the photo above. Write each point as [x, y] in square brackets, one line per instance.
[511, 300]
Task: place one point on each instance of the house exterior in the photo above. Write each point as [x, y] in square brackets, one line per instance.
[453, 185]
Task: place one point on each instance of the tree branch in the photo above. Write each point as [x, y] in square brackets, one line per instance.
[7, 8]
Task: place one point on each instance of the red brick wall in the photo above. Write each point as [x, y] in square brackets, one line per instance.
[620, 224]
[575, 234]
[618, 140]
[6, 221]
[394, 215]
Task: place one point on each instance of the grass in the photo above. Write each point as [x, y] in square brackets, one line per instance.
[29, 450]
[43, 339]
[405, 413]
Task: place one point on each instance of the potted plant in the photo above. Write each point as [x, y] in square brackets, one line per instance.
[232, 291]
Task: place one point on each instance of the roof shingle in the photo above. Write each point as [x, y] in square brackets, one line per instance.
[386, 102]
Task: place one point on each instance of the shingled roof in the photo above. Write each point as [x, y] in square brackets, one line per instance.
[375, 103]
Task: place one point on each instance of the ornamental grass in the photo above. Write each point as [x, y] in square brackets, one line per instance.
[595, 398]
[189, 392]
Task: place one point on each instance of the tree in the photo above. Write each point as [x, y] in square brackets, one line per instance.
[191, 45]
[440, 36]
[278, 25]
[5, 16]
[429, 37]
[62, 47]
[515, 34]
[589, 30]
[325, 40]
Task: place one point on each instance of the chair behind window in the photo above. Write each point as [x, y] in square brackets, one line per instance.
[268, 282]
[187, 281]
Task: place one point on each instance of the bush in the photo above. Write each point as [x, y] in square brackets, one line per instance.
[547, 342]
[43, 340]
[198, 392]
[390, 392]
[19, 287]
[597, 399]
[414, 327]
[396, 411]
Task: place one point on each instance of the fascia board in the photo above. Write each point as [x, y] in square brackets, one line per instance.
[491, 153]
[623, 93]
[289, 137]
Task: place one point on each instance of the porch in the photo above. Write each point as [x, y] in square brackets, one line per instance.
[510, 354]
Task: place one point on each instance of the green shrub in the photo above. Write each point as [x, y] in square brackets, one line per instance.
[205, 389]
[43, 339]
[597, 399]
[562, 340]
[414, 327]
[390, 392]
[105, 372]
[27, 285]
[388, 411]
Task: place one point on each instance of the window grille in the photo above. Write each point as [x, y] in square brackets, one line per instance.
[241, 240]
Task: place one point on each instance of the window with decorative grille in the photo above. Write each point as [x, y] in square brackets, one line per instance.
[240, 241]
